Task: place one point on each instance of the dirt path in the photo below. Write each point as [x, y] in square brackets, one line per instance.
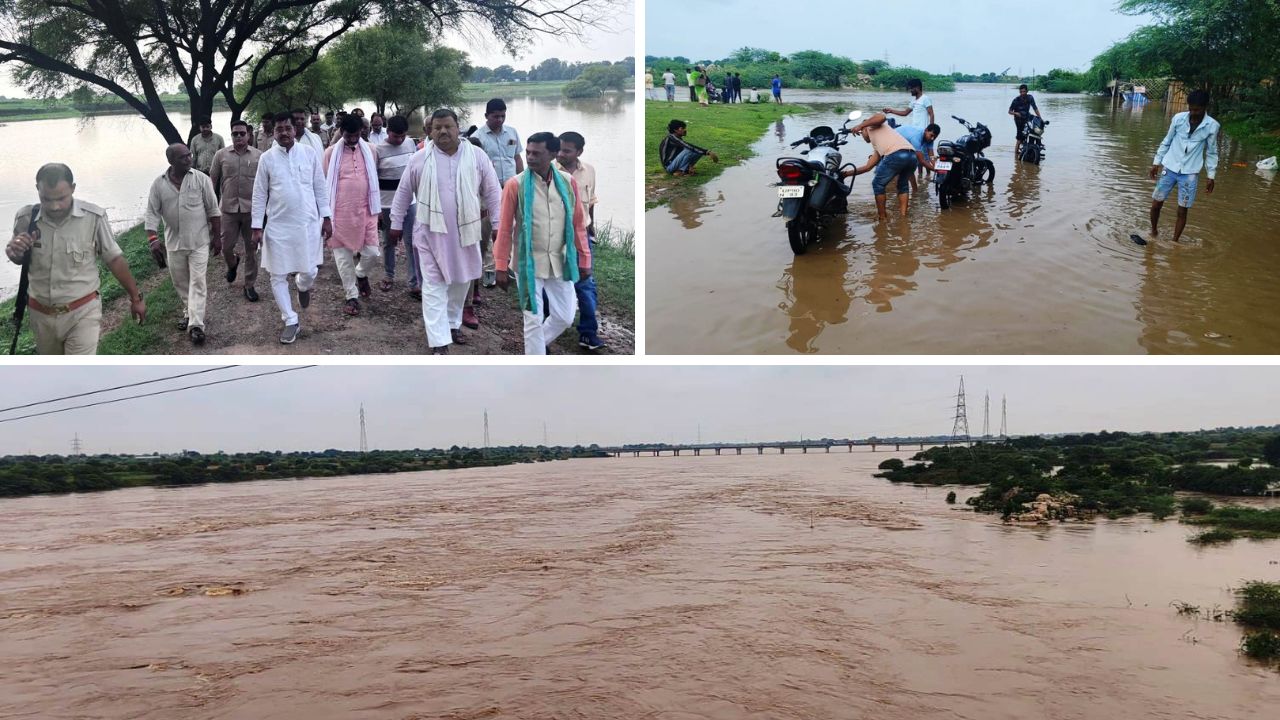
[390, 323]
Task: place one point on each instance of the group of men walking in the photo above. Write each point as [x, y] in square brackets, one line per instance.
[467, 210]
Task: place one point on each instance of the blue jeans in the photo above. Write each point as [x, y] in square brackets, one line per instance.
[901, 165]
[389, 248]
[586, 289]
[684, 161]
[1186, 184]
[671, 92]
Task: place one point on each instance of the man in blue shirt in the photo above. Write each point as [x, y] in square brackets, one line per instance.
[777, 89]
[1191, 144]
[921, 138]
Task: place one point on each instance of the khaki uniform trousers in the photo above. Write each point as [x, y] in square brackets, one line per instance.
[236, 229]
[73, 333]
[189, 271]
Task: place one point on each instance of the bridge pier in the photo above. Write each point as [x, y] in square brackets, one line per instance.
[717, 451]
[828, 449]
[739, 450]
[850, 447]
[697, 452]
[782, 451]
[760, 450]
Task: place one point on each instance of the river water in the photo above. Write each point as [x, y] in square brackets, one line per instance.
[115, 157]
[1041, 263]
[793, 586]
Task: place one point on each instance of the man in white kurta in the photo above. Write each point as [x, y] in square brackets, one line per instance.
[290, 220]
[452, 181]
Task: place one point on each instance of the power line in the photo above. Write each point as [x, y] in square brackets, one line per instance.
[153, 394]
[118, 387]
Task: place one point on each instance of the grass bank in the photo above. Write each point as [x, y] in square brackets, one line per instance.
[1260, 132]
[1258, 610]
[483, 91]
[728, 130]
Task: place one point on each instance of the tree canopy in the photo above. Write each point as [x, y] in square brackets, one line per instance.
[236, 49]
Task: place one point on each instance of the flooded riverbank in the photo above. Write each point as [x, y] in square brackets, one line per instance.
[712, 587]
[1039, 263]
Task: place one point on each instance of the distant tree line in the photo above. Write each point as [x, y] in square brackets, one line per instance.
[549, 70]
[809, 69]
[42, 474]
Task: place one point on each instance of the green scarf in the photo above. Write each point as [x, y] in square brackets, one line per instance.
[525, 274]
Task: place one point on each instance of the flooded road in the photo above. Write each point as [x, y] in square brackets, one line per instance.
[1040, 263]
[674, 588]
[115, 157]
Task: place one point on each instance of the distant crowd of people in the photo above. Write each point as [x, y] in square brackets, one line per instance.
[471, 209]
[703, 89]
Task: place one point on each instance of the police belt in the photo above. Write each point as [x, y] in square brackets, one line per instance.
[64, 308]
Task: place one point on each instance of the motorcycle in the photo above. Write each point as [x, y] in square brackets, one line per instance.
[1032, 138]
[810, 189]
[961, 167]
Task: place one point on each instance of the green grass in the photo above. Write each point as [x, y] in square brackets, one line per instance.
[727, 130]
[133, 242]
[484, 91]
[1261, 134]
[1258, 609]
[163, 312]
[1247, 522]
[614, 268]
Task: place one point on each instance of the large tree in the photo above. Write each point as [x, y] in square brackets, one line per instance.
[235, 49]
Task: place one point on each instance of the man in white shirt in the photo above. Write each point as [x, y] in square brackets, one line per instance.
[377, 130]
[502, 144]
[669, 84]
[919, 113]
[290, 191]
[1190, 145]
[301, 134]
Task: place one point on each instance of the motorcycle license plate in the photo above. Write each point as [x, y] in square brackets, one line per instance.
[791, 191]
[942, 166]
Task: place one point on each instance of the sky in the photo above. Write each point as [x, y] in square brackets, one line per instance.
[980, 35]
[427, 407]
[613, 41]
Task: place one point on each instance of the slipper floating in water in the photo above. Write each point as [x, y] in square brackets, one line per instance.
[1137, 239]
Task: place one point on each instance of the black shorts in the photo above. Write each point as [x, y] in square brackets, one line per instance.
[1020, 123]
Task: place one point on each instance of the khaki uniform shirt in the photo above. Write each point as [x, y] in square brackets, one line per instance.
[202, 151]
[62, 264]
[265, 139]
[232, 176]
[185, 212]
[585, 176]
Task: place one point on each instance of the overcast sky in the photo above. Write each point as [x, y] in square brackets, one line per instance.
[976, 37]
[615, 40]
[426, 407]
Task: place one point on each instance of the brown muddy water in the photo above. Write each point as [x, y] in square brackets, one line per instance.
[731, 587]
[1039, 263]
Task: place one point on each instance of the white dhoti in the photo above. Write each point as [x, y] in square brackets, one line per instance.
[562, 305]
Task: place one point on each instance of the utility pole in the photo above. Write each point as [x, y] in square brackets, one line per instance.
[986, 415]
[364, 436]
[1004, 418]
[960, 426]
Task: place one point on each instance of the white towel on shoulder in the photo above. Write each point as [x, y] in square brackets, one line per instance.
[371, 170]
[467, 191]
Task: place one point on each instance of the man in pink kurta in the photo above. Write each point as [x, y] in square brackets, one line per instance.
[446, 235]
[351, 168]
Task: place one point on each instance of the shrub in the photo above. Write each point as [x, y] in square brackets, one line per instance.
[1196, 506]
[951, 497]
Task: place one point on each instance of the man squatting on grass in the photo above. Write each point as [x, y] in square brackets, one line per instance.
[1191, 143]
[678, 156]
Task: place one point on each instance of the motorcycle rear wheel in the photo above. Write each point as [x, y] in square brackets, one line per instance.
[944, 199]
[988, 173]
[801, 233]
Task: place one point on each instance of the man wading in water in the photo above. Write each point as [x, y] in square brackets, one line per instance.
[1192, 143]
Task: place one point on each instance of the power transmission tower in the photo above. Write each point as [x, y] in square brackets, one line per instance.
[76, 447]
[960, 427]
[364, 436]
[986, 415]
[486, 428]
[1004, 418]
[699, 433]
[544, 435]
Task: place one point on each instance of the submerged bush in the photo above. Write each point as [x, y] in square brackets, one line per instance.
[1196, 506]
[951, 497]
[1261, 645]
[1213, 537]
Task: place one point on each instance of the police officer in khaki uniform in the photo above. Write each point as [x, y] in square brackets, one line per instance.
[70, 233]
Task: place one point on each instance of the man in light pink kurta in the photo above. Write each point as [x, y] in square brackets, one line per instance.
[449, 253]
[356, 207]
